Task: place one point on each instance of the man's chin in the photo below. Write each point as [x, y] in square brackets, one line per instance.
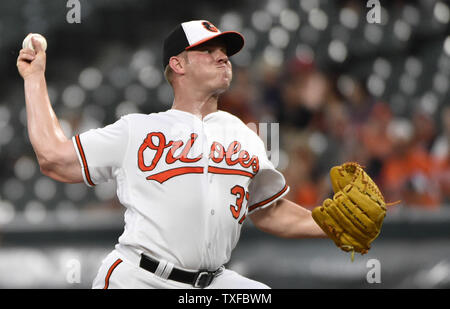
[224, 88]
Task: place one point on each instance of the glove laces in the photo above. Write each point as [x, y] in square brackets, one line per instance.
[352, 249]
[357, 169]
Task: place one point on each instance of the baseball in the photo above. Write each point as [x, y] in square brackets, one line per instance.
[27, 43]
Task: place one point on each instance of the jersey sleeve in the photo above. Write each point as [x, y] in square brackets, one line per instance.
[267, 186]
[102, 150]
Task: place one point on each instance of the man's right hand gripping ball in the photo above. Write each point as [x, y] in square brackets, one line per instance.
[31, 62]
[353, 218]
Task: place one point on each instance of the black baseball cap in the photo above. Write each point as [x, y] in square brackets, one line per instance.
[193, 33]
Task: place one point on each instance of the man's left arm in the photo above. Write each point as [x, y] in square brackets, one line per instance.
[288, 220]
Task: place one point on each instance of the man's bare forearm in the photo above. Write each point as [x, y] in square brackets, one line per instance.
[288, 220]
[44, 130]
[55, 152]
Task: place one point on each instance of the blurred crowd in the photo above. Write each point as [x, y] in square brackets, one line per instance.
[340, 88]
[337, 87]
[327, 120]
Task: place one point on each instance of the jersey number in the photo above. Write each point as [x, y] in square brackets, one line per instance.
[240, 194]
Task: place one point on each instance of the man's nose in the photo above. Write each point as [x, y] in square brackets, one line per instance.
[221, 56]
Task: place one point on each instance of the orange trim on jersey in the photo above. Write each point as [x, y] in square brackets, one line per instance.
[83, 158]
[242, 219]
[111, 269]
[166, 175]
[267, 201]
[229, 171]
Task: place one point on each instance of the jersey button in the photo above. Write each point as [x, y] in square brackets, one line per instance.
[212, 212]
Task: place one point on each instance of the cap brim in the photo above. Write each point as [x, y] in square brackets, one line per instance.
[234, 41]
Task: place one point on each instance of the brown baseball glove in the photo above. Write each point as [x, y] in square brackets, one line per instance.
[353, 218]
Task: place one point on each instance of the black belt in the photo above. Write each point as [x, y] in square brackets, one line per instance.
[200, 279]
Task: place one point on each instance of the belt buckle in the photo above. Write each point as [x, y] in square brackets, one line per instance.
[202, 283]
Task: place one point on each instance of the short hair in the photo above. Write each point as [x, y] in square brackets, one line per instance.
[168, 72]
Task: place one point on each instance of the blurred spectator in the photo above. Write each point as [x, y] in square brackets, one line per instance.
[440, 152]
[359, 102]
[238, 99]
[374, 138]
[408, 174]
[303, 93]
[356, 110]
[307, 187]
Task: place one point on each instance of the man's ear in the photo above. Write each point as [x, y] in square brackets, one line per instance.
[177, 64]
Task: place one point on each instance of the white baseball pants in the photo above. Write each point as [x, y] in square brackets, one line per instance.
[119, 272]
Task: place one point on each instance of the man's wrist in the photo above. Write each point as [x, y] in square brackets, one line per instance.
[34, 77]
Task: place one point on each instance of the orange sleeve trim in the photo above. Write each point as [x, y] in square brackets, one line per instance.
[267, 201]
[83, 158]
[111, 269]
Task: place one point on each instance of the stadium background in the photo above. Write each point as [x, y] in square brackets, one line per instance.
[341, 88]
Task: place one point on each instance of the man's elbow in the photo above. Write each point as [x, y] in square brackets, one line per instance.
[52, 169]
[48, 163]
[60, 163]
[46, 166]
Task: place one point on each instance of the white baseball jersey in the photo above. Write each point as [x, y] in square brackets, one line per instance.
[187, 184]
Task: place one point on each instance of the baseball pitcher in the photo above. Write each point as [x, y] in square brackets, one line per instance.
[190, 176]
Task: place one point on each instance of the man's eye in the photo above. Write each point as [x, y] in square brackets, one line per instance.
[206, 49]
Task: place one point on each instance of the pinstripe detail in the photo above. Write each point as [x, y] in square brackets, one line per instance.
[111, 269]
[83, 158]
